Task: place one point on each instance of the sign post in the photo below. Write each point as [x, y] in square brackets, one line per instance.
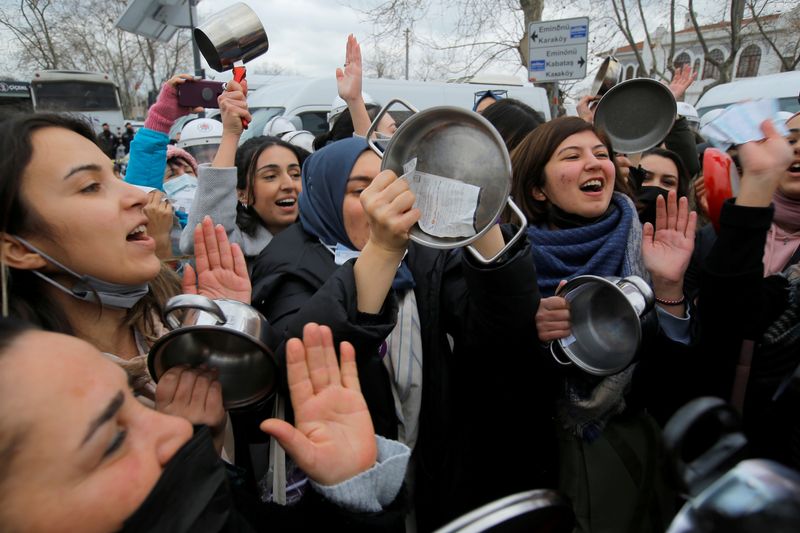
[558, 49]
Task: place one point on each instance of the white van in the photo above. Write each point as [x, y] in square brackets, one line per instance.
[784, 87]
[310, 99]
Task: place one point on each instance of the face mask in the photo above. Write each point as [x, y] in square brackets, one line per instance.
[181, 182]
[647, 199]
[192, 493]
[89, 288]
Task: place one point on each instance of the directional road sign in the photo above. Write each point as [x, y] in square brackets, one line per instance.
[558, 49]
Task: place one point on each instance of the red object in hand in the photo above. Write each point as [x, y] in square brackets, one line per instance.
[721, 181]
[239, 73]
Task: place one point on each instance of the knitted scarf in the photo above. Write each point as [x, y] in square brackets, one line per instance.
[601, 249]
[786, 329]
[612, 246]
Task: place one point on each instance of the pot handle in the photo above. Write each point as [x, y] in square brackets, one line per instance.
[191, 301]
[555, 356]
[374, 126]
[523, 223]
[643, 288]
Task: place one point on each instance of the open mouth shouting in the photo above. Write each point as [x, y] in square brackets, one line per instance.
[139, 235]
[593, 186]
[287, 204]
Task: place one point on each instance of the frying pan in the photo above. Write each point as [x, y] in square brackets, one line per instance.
[636, 114]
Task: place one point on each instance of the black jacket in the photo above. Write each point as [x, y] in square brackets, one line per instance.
[738, 303]
[480, 398]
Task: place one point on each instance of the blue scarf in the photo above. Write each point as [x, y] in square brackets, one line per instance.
[598, 249]
[325, 175]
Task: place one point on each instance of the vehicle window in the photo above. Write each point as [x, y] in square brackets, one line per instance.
[261, 116]
[314, 121]
[74, 96]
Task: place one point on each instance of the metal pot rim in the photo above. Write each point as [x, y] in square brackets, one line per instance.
[576, 360]
[155, 354]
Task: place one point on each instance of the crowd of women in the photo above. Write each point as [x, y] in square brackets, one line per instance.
[420, 380]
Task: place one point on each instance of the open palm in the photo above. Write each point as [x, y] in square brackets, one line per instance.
[667, 248]
[334, 439]
[221, 268]
[348, 79]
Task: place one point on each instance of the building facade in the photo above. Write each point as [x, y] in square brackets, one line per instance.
[755, 57]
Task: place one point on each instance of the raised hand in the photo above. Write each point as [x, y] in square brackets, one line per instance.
[763, 165]
[334, 439]
[193, 394]
[389, 205]
[233, 107]
[348, 78]
[681, 81]
[160, 214]
[221, 268]
[667, 248]
[586, 107]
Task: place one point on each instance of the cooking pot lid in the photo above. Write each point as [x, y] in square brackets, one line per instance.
[535, 511]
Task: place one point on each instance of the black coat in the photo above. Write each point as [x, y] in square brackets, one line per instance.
[738, 303]
[480, 398]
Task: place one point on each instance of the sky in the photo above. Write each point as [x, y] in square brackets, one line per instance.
[307, 37]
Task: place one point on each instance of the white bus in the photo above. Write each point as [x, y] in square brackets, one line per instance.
[309, 99]
[89, 94]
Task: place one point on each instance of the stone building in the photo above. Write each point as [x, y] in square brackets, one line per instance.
[755, 56]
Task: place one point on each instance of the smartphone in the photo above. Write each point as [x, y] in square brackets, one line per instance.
[200, 93]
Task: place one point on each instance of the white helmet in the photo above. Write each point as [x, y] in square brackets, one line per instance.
[303, 139]
[339, 106]
[277, 126]
[201, 138]
[688, 111]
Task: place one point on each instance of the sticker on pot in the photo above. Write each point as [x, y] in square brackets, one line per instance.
[447, 205]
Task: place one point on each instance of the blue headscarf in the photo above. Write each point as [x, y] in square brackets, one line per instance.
[325, 175]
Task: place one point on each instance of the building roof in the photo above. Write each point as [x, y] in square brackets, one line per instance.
[705, 27]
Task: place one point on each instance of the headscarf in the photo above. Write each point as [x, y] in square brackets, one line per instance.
[325, 175]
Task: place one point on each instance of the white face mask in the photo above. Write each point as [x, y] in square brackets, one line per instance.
[181, 191]
[91, 289]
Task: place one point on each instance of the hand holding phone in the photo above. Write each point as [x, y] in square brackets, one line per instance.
[200, 93]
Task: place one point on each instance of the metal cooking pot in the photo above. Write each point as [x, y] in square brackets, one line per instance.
[225, 335]
[458, 144]
[606, 322]
[533, 511]
[234, 34]
[607, 76]
[636, 114]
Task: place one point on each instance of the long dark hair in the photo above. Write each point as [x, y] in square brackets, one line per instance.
[530, 157]
[246, 160]
[683, 173]
[343, 127]
[513, 120]
[27, 297]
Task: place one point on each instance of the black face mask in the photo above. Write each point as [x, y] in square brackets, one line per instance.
[646, 196]
[192, 494]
